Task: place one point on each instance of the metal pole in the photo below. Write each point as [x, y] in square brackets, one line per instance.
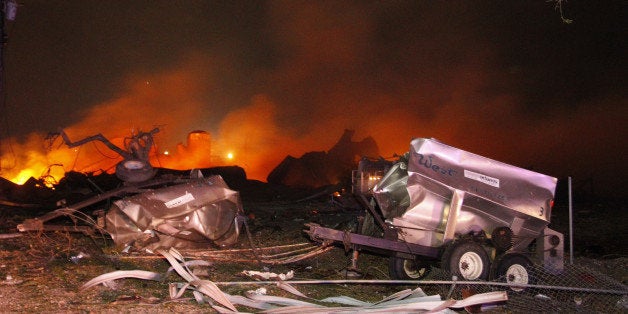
[2, 41]
[570, 221]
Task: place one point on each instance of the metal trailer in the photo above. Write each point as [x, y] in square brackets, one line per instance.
[442, 206]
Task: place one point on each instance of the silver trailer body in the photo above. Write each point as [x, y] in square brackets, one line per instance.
[443, 192]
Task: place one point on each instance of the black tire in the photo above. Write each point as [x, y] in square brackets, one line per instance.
[407, 269]
[467, 261]
[516, 269]
[131, 170]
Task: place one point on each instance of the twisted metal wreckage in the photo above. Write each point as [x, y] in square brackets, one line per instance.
[437, 204]
[472, 216]
[191, 213]
[163, 212]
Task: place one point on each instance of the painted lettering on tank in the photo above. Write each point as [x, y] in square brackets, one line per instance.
[427, 162]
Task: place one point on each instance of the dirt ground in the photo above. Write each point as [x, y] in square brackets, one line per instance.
[44, 272]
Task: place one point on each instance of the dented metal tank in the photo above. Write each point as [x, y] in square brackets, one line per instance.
[439, 192]
[198, 214]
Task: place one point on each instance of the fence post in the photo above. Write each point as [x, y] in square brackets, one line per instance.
[570, 221]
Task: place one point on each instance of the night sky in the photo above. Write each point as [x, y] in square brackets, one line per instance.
[505, 79]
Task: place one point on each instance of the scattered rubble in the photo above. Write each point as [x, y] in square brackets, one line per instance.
[316, 169]
[206, 291]
[201, 213]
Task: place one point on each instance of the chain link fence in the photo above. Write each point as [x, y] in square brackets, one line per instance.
[577, 289]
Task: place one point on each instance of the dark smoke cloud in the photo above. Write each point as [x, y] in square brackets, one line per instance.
[504, 79]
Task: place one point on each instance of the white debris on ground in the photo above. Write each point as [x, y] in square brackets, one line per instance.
[205, 291]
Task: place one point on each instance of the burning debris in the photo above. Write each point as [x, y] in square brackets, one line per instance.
[437, 207]
[197, 152]
[316, 169]
[135, 166]
[28, 195]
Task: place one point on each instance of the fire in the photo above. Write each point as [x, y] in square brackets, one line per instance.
[51, 163]
[23, 176]
[197, 153]
[374, 177]
[251, 136]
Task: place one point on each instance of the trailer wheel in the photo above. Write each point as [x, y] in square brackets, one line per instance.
[407, 269]
[515, 269]
[467, 260]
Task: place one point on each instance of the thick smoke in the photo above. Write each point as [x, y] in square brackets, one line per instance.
[290, 76]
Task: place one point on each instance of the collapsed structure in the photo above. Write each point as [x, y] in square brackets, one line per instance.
[438, 205]
[316, 169]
